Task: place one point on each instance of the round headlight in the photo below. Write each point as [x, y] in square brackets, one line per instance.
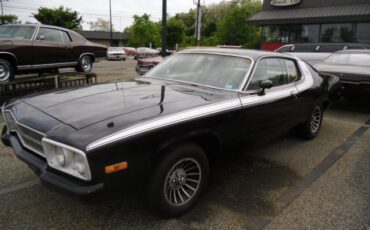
[60, 156]
[79, 163]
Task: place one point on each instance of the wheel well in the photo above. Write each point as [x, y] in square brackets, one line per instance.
[209, 142]
[10, 59]
[90, 55]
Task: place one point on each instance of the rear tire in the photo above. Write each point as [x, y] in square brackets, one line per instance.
[178, 180]
[311, 128]
[6, 71]
[85, 64]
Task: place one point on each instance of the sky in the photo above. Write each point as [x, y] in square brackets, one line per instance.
[91, 10]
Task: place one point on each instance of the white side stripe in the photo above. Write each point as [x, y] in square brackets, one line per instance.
[166, 121]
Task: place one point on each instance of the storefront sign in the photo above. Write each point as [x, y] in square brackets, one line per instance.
[284, 2]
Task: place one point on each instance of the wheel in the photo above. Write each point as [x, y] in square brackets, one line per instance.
[85, 64]
[311, 128]
[178, 180]
[6, 71]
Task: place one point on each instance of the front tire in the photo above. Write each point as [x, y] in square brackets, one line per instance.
[178, 180]
[6, 71]
[311, 128]
[85, 64]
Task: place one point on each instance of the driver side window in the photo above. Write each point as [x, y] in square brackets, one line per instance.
[272, 69]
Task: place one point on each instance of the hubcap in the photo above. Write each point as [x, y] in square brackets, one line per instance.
[86, 63]
[182, 182]
[316, 119]
[4, 72]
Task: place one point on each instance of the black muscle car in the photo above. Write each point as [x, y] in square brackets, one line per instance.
[351, 66]
[161, 130]
[36, 48]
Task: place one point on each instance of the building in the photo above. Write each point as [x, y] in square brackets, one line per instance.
[103, 37]
[305, 21]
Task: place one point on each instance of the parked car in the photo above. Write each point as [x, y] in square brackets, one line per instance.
[146, 64]
[161, 130]
[31, 48]
[116, 53]
[144, 52]
[315, 53]
[351, 66]
[168, 52]
[130, 51]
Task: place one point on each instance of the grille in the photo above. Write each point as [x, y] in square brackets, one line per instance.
[29, 137]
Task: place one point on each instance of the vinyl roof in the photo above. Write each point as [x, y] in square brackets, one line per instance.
[328, 14]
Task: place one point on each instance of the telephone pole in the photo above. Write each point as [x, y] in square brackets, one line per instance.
[164, 27]
[2, 10]
[198, 25]
[110, 23]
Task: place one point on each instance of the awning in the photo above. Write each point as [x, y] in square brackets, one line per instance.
[329, 14]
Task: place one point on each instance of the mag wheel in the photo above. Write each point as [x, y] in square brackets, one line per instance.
[85, 64]
[6, 71]
[311, 128]
[178, 180]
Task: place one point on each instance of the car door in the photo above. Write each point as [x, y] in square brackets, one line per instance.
[49, 47]
[274, 111]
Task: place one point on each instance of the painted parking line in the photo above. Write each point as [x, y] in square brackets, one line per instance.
[18, 187]
[295, 191]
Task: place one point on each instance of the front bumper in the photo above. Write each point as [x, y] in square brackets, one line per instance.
[49, 176]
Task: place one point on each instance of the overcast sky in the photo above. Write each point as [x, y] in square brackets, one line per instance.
[91, 10]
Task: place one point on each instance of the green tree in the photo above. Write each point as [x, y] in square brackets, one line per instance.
[175, 32]
[8, 19]
[60, 16]
[100, 25]
[233, 28]
[143, 32]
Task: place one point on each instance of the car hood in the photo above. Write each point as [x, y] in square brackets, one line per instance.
[86, 106]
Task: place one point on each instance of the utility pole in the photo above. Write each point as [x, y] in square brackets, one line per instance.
[2, 10]
[164, 27]
[110, 23]
[198, 25]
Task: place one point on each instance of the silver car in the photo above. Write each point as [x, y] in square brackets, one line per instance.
[116, 53]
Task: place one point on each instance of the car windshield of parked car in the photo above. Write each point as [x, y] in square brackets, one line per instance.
[16, 32]
[221, 71]
[357, 59]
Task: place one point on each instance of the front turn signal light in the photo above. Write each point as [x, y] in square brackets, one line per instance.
[116, 167]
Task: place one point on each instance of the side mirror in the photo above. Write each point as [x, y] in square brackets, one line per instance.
[266, 84]
[40, 37]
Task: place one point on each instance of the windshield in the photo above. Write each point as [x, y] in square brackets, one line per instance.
[357, 59]
[219, 71]
[17, 32]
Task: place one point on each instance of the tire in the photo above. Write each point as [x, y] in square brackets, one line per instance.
[311, 128]
[170, 191]
[6, 71]
[85, 64]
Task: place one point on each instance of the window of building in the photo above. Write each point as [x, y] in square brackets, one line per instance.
[336, 32]
[309, 33]
[363, 32]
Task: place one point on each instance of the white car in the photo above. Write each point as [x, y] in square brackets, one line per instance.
[116, 53]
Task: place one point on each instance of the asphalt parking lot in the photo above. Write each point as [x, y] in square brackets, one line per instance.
[287, 183]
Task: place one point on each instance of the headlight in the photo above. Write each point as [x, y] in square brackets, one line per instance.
[66, 159]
